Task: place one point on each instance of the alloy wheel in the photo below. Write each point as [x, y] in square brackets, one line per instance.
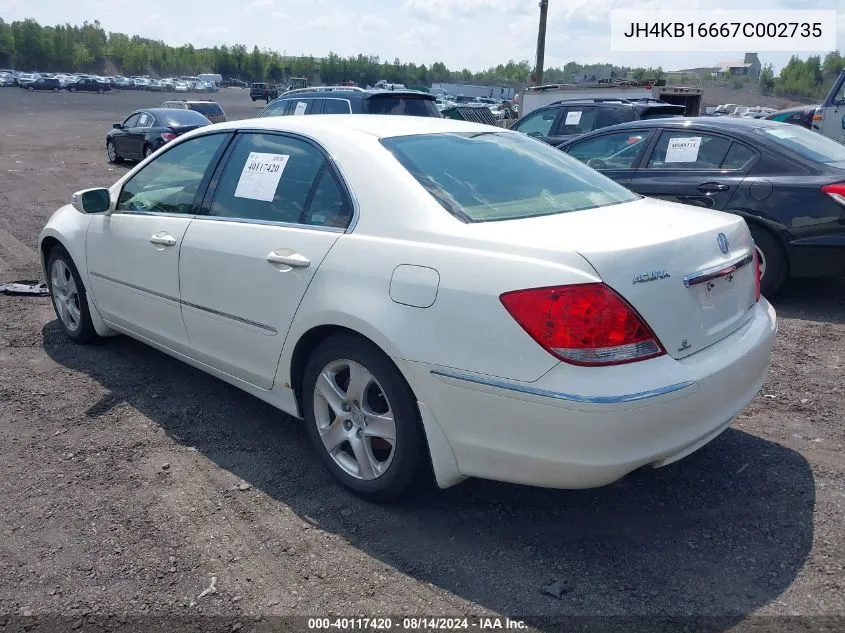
[761, 257]
[65, 295]
[111, 151]
[354, 419]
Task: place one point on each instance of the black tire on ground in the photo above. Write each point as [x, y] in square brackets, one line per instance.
[111, 150]
[55, 89]
[85, 332]
[147, 150]
[409, 471]
[73, 89]
[100, 91]
[30, 88]
[772, 258]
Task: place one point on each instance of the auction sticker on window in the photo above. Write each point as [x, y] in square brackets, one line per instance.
[683, 149]
[261, 175]
[573, 118]
[300, 108]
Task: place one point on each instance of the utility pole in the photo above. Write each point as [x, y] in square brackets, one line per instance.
[541, 43]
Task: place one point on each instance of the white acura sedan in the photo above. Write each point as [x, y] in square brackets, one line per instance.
[428, 295]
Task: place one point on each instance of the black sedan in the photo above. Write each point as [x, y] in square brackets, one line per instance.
[144, 131]
[787, 182]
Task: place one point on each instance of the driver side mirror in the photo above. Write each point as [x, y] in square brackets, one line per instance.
[117, 126]
[91, 200]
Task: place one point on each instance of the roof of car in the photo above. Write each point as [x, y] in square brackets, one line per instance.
[377, 125]
[355, 93]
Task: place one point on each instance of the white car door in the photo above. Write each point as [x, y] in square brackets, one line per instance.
[277, 209]
[133, 252]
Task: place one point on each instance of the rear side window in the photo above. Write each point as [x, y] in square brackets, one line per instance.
[576, 120]
[336, 106]
[689, 150]
[464, 173]
[268, 178]
[739, 157]
[408, 106]
[212, 109]
[612, 116]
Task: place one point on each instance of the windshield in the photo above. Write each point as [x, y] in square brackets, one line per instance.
[177, 118]
[484, 176]
[394, 104]
[811, 145]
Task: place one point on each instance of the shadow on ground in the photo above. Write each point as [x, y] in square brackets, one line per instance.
[820, 300]
[723, 532]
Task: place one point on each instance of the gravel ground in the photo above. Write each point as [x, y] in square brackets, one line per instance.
[130, 481]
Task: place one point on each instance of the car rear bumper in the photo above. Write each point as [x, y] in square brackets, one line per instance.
[583, 428]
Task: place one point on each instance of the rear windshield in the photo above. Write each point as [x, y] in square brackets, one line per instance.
[484, 176]
[810, 145]
[395, 104]
[183, 117]
[661, 113]
[206, 108]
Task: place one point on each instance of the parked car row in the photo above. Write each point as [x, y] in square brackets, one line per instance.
[79, 81]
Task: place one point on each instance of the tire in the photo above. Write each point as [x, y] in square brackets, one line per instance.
[362, 460]
[111, 151]
[69, 297]
[148, 150]
[30, 88]
[73, 89]
[100, 91]
[55, 89]
[773, 264]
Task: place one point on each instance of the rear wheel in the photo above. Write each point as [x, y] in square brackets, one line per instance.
[147, 150]
[73, 89]
[363, 419]
[30, 88]
[69, 297]
[100, 91]
[773, 265]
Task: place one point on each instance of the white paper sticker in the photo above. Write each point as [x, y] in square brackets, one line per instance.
[683, 149]
[260, 176]
[300, 108]
[781, 133]
[573, 118]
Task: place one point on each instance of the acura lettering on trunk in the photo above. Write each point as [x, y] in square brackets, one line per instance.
[433, 298]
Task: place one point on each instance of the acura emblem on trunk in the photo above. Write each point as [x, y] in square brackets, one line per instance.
[724, 246]
[650, 276]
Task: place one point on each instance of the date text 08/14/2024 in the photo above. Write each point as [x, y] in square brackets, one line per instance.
[415, 624]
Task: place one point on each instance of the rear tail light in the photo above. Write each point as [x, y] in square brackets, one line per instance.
[583, 324]
[168, 136]
[756, 275]
[836, 191]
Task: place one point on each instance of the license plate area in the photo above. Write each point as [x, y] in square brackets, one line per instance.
[723, 302]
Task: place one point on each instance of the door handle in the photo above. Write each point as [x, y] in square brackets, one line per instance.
[164, 239]
[289, 258]
[712, 187]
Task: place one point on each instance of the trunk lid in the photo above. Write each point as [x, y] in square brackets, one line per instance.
[664, 258]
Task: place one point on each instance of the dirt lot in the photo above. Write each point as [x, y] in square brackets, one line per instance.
[122, 468]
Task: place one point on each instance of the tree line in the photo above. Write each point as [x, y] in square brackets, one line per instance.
[27, 45]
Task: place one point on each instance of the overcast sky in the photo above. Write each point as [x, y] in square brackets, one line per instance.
[475, 34]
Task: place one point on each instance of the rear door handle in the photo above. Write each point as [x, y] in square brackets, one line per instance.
[712, 187]
[164, 239]
[289, 258]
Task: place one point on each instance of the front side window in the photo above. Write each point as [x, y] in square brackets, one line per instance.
[132, 121]
[277, 108]
[538, 123]
[484, 176]
[689, 150]
[611, 151]
[268, 178]
[171, 181]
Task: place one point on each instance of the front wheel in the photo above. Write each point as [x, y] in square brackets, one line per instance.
[363, 420]
[773, 264]
[69, 297]
[73, 89]
[111, 150]
[100, 91]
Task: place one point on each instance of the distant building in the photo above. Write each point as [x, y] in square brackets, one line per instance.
[467, 90]
[749, 67]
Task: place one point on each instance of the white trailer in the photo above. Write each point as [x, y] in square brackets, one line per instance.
[538, 96]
